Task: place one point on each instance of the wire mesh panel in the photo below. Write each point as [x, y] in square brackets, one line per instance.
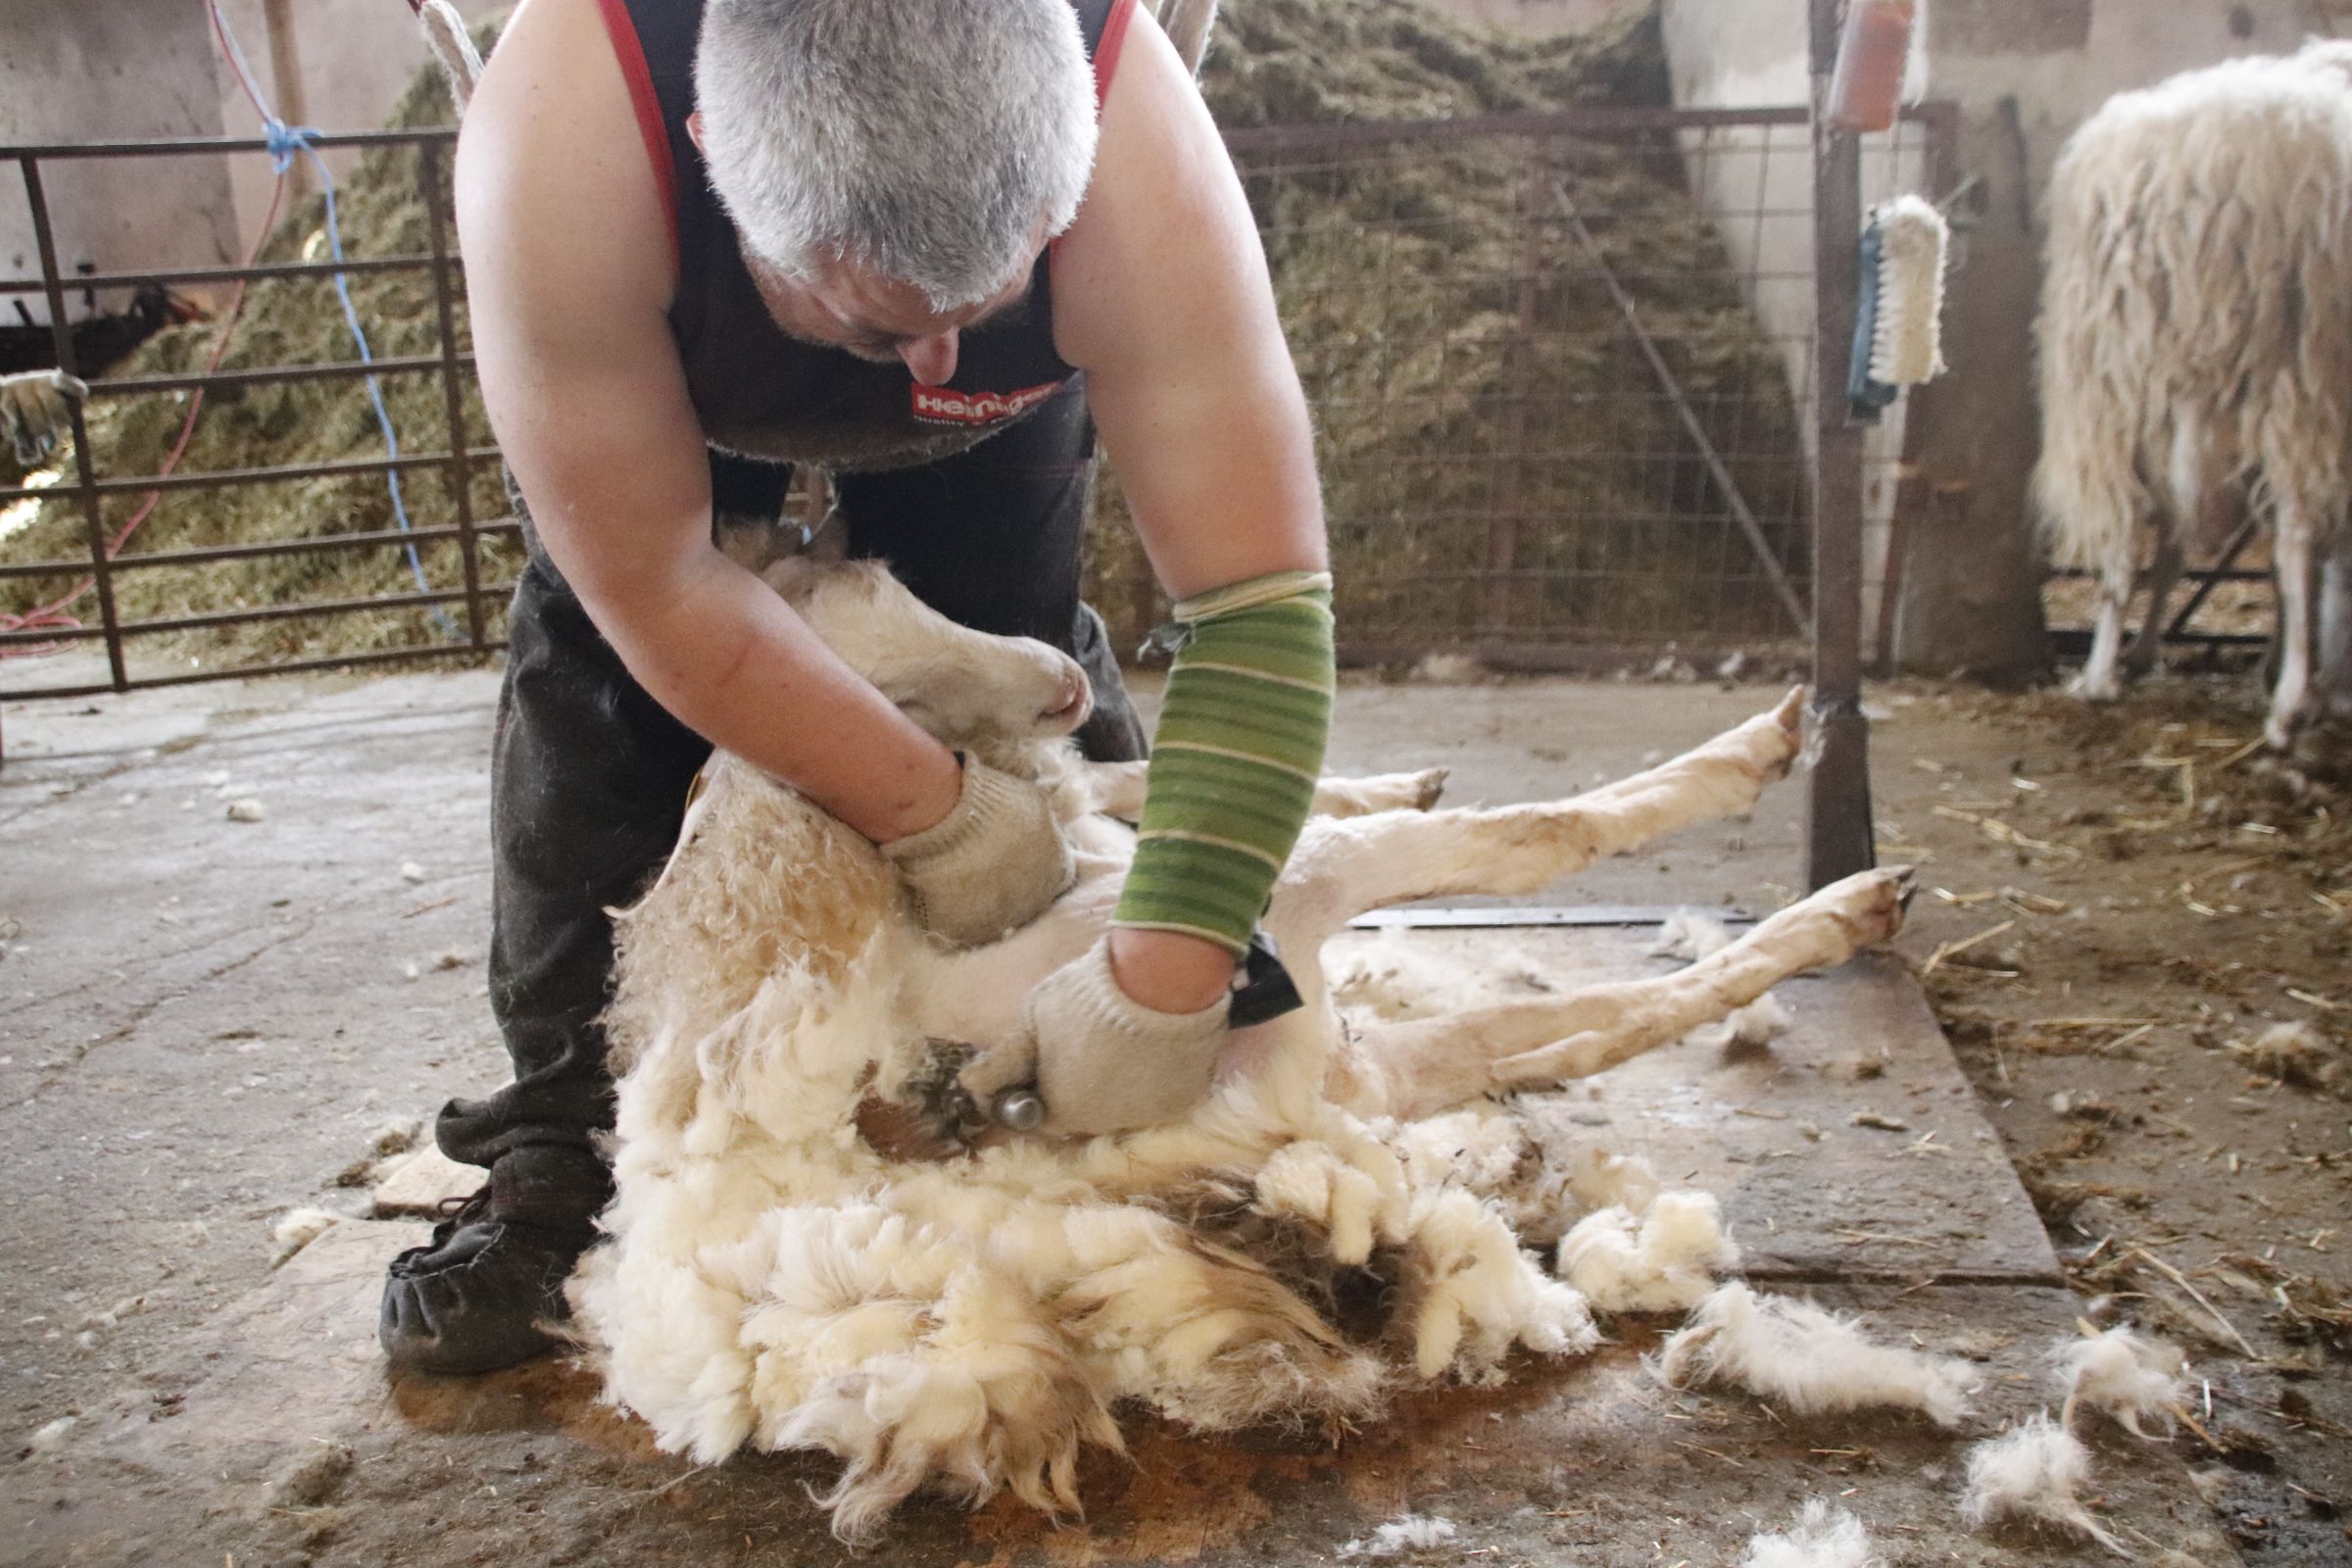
[1550, 416]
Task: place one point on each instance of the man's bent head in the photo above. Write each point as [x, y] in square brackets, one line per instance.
[932, 142]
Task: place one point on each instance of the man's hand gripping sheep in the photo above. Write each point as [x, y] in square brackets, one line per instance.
[776, 1276]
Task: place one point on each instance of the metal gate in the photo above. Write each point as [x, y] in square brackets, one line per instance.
[1561, 368]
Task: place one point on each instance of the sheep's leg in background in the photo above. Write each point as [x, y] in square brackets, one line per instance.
[2332, 681]
[1381, 792]
[2099, 681]
[2295, 559]
[2147, 649]
[1117, 789]
[1341, 869]
[1420, 1067]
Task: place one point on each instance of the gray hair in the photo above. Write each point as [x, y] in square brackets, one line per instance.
[926, 138]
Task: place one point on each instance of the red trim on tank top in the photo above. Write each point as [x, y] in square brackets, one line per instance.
[631, 52]
[1107, 49]
[1106, 62]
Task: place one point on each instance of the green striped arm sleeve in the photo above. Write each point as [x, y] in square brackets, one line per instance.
[1235, 758]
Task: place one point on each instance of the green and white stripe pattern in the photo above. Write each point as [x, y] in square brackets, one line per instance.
[1233, 762]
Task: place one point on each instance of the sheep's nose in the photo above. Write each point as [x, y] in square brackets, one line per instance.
[1071, 704]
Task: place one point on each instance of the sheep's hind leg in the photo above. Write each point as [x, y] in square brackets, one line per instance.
[2147, 649]
[1343, 868]
[2295, 559]
[1117, 790]
[1421, 1066]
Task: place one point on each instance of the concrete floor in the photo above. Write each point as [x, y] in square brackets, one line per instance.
[203, 1022]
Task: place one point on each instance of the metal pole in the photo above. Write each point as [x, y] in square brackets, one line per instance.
[286, 84]
[85, 474]
[1838, 839]
[461, 486]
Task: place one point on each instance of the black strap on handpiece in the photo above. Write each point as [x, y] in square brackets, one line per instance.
[1266, 990]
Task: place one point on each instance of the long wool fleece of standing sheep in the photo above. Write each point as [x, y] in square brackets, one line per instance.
[2197, 330]
[781, 1273]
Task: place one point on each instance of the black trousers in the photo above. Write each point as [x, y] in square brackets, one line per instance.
[589, 773]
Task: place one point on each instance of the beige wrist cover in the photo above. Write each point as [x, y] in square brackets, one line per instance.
[991, 864]
[1102, 1061]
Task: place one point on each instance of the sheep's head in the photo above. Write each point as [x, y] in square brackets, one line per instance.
[966, 688]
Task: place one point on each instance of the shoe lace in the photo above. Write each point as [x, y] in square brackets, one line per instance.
[464, 1210]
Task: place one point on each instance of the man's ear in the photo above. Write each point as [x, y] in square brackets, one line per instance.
[694, 130]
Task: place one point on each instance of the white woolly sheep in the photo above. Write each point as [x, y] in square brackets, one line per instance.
[2196, 335]
[781, 1272]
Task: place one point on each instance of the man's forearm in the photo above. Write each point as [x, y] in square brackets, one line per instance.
[719, 649]
[1239, 743]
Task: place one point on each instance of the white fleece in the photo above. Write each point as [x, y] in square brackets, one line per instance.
[1811, 1360]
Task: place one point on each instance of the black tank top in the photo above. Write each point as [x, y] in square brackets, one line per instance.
[764, 395]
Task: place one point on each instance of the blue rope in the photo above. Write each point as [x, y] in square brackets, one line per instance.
[286, 142]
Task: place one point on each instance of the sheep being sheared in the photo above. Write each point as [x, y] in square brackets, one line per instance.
[783, 1271]
[2197, 337]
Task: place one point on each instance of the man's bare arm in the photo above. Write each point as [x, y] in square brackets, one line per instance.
[1162, 295]
[569, 273]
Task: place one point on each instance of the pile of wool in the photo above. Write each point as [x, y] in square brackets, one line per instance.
[1409, 1533]
[2032, 1475]
[2129, 1378]
[2293, 1053]
[1664, 1258]
[1811, 1360]
[1822, 1537]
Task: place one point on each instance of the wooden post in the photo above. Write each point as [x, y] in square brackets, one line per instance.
[286, 84]
[1838, 838]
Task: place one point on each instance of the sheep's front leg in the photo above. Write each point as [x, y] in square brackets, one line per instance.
[1117, 790]
[1421, 1066]
[1341, 869]
[2099, 682]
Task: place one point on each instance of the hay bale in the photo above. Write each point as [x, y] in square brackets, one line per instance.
[1403, 276]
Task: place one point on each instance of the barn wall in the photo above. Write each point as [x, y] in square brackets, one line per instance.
[2024, 73]
[107, 69]
[110, 69]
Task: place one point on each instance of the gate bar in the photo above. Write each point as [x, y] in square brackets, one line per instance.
[85, 475]
[1839, 839]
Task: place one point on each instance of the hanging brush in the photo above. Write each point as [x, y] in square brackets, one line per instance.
[452, 45]
[1898, 328]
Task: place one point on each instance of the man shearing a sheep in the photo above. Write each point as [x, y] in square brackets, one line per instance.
[929, 247]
